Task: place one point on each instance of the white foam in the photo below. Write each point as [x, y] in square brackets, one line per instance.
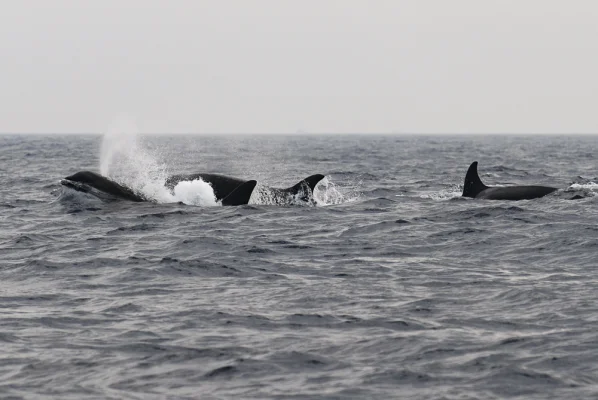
[327, 193]
[262, 195]
[589, 186]
[196, 192]
[444, 194]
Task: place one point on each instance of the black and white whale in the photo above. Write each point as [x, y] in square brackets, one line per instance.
[474, 188]
[109, 190]
[224, 185]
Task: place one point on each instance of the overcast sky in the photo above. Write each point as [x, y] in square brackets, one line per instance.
[426, 66]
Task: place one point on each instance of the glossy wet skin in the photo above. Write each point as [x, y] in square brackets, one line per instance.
[515, 192]
[102, 184]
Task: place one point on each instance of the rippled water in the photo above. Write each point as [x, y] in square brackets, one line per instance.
[392, 287]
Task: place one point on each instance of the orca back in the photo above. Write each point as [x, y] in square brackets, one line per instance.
[103, 184]
[516, 192]
[240, 195]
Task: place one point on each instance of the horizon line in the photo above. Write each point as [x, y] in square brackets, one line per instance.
[312, 133]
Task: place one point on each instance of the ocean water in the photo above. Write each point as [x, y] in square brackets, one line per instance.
[392, 286]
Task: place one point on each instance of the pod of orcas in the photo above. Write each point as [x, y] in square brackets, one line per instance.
[232, 191]
[228, 190]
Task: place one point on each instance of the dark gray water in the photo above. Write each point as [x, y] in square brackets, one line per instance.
[392, 287]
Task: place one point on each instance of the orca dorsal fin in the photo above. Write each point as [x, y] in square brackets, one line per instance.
[240, 195]
[473, 184]
[310, 181]
[313, 180]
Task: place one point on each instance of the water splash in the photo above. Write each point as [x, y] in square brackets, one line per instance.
[260, 196]
[125, 159]
[264, 195]
[585, 189]
[579, 186]
[327, 193]
[196, 192]
[444, 194]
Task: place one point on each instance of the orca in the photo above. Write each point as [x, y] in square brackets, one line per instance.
[109, 190]
[224, 185]
[474, 188]
[100, 186]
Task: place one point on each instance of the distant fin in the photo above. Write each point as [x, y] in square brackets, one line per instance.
[240, 195]
[473, 184]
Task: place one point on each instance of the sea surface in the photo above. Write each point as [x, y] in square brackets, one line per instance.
[392, 286]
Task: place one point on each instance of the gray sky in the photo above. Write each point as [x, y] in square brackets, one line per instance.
[286, 65]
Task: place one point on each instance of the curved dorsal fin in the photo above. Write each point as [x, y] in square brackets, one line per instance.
[240, 195]
[310, 181]
[313, 180]
[473, 184]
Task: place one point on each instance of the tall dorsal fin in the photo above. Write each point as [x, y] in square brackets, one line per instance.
[473, 184]
[240, 195]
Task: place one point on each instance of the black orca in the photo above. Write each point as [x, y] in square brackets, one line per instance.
[224, 185]
[474, 188]
[100, 186]
[107, 189]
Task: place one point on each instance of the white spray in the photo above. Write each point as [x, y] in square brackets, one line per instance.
[124, 159]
